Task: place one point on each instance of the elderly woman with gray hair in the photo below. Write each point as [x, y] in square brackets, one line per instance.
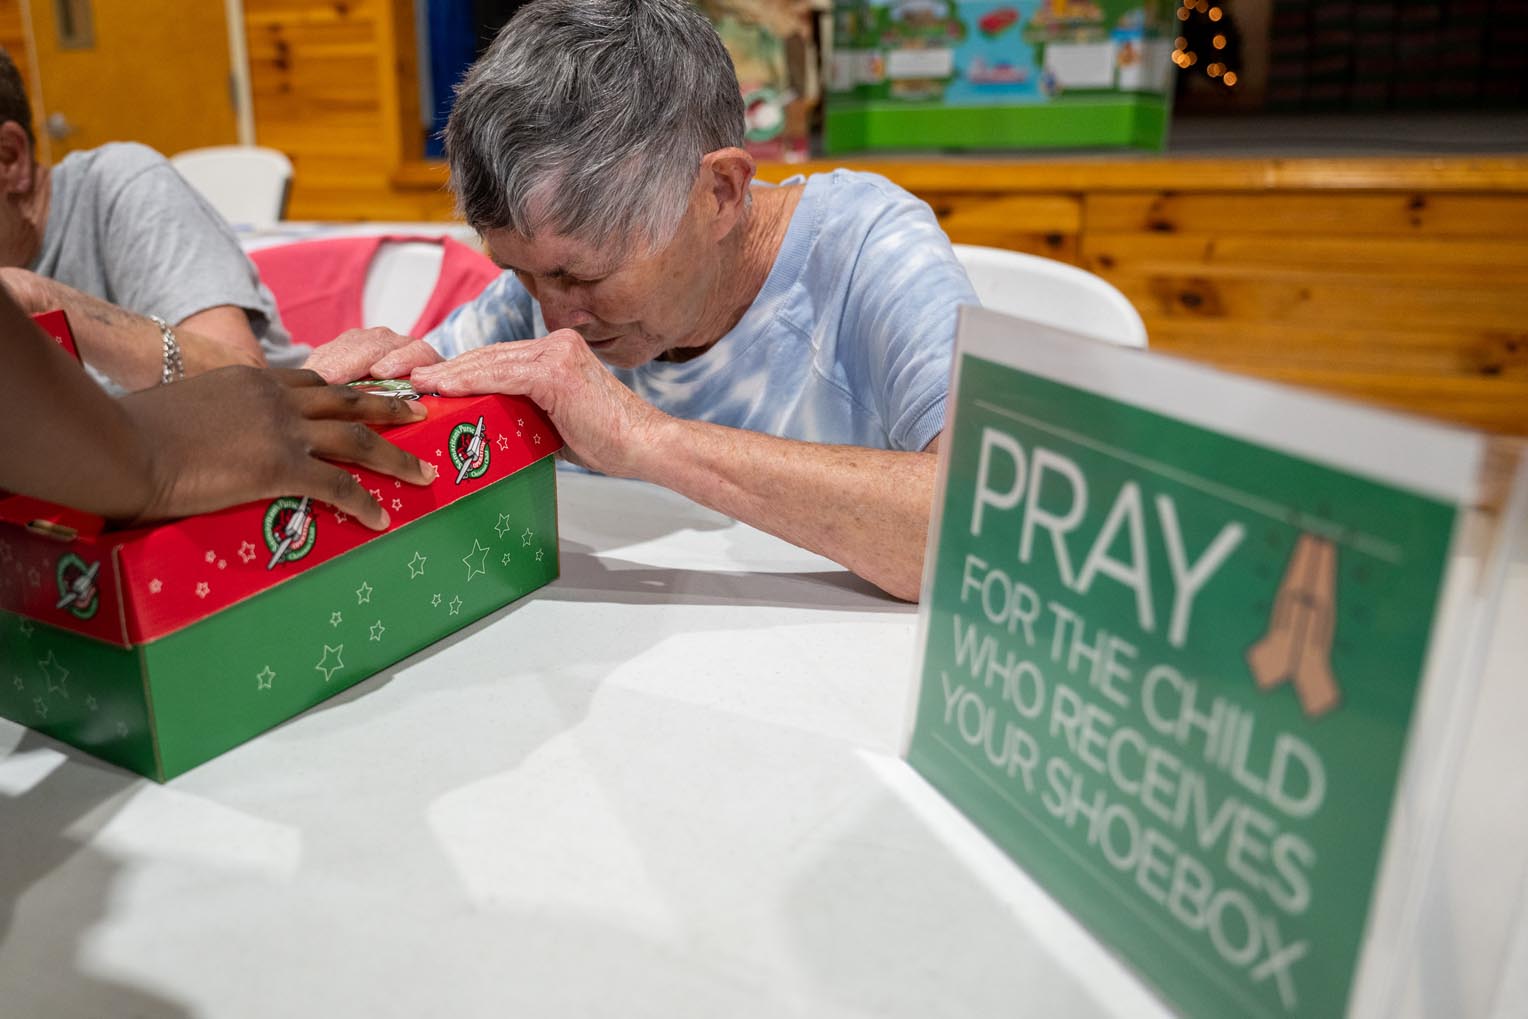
[778, 353]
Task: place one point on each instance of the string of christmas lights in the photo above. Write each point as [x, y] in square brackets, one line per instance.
[1209, 40]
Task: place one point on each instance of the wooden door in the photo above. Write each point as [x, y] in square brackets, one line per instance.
[126, 70]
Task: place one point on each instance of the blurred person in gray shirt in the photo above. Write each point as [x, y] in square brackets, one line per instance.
[153, 280]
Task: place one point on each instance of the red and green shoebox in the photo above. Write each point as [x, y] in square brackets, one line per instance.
[161, 647]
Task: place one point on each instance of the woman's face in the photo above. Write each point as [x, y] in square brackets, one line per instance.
[629, 307]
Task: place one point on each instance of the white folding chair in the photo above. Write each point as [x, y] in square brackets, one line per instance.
[1052, 293]
[247, 185]
[399, 284]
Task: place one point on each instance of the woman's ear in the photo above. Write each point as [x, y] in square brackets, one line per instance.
[725, 176]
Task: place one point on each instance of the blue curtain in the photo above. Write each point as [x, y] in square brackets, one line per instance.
[453, 46]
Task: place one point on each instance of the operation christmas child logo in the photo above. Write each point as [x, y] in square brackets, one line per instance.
[290, 530]
[76, 586]
[469, 451]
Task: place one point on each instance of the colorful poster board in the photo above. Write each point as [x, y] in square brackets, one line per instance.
[1177, 626]
[1023, 74]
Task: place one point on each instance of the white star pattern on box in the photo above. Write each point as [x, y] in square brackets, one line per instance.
[503, 527]
[525, 539]
[502, 442]
[397, 483]
[481, 555]
[25, 627]
[340, 518]
[202, 589]
[263, 678]
[536, 438]
[418, 561]
[363, 593]
[376, 493]
[156, 585]
[210, 555]
[335, 618]
[55, 674]
[455, 604]
[90, 702]
[377, 630]
[247, 552]
[438, 454]
[41, 706]
[518, 433]
[397, 504]
[520, 422]
[505, 559]
[222, 564]
[435, 600]
[539, 555]
[328, 668]
[121, 730]
[356, 476]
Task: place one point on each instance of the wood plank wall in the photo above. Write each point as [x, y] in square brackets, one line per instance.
[1412, 299]
[335, 86]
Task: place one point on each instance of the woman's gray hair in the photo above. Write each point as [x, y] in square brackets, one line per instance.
[589, 118]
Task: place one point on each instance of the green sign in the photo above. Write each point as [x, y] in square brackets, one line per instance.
[1171, 672]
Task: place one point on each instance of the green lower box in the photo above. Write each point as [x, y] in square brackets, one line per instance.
[170, 704]
[1107, 121]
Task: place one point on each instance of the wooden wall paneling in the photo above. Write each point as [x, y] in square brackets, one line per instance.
[335, 88]
[1410, 298]
[1125, 172]
[1485, 353]
[1399, 213]
[1417, 259]
[1041, 224]
[398, 77]
[1313, 299]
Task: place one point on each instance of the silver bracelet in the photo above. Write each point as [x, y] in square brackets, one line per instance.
[174, 365]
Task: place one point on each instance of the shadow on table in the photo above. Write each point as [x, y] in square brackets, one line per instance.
[46, 829]
[590, 577]
[924, 928]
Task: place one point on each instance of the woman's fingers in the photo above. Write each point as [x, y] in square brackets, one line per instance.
[400, 362]
[350, 354]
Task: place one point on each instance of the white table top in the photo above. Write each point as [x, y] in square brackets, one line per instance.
[667, 785]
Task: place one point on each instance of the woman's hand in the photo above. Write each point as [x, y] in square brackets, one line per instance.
[605, 426]
[377, 353]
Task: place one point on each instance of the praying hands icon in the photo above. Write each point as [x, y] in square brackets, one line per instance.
[1298, 645]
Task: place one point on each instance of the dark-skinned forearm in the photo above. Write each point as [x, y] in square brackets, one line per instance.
[67, 441]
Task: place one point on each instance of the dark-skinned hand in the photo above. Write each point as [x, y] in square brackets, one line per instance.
[240, 434]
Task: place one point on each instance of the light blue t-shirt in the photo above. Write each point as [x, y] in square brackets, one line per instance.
[849, 341]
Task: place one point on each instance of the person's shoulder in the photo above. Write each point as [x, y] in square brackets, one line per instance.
[854, 192]
[116, 159]
[110, 170]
